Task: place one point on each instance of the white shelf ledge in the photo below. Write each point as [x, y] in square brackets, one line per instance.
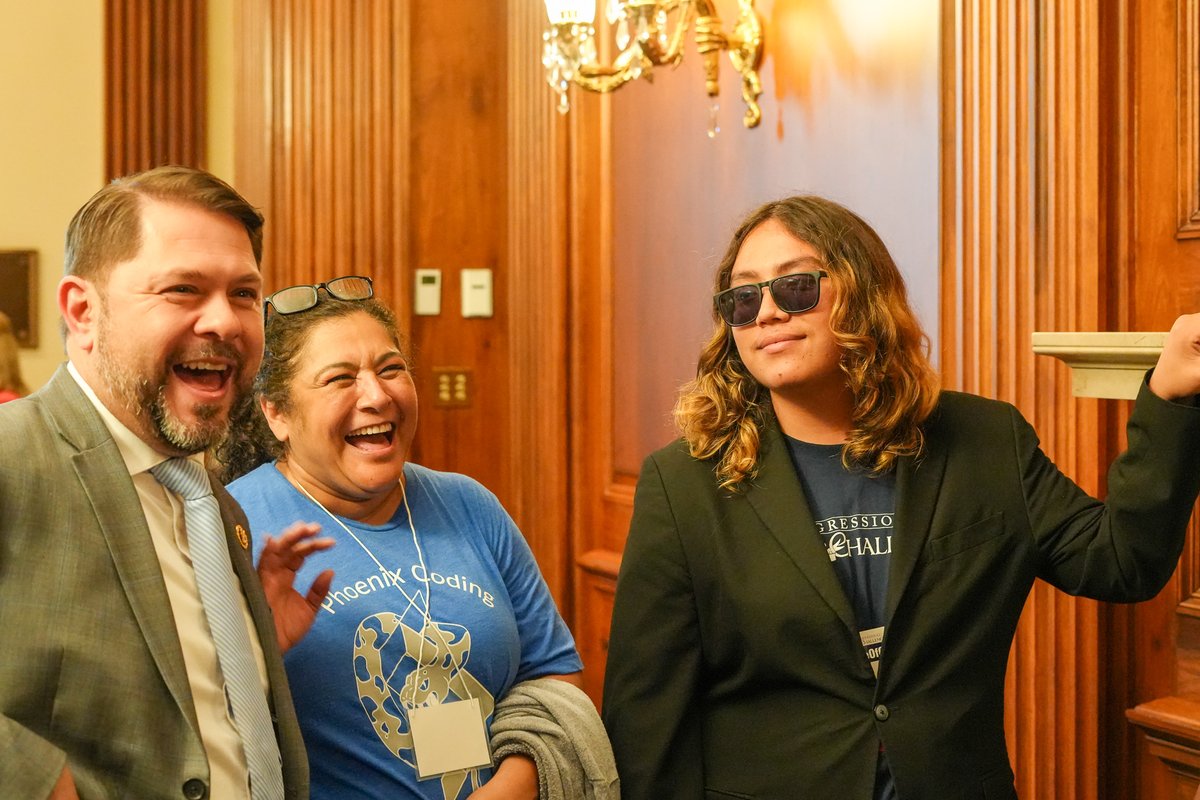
[1102, 364]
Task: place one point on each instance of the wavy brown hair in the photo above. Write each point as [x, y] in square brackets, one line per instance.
[721, 413]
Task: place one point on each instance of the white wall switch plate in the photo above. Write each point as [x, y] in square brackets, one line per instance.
[477, 293]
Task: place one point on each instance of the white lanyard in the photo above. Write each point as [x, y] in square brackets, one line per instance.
[427, 626]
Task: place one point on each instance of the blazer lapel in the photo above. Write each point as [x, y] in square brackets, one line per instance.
[105, 480]
[918, 482]
[778, 498]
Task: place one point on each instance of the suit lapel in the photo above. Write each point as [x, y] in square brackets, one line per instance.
[778, 498]
[283, 713]
[918, 482]
[105, 480]
[243, 567]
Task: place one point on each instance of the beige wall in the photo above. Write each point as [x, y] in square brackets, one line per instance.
[850, 112]
[51, 142]
[52, 135]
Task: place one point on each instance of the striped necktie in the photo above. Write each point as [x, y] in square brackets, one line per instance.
[219, 595]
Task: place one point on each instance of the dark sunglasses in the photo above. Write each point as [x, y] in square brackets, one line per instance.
[800, 291]
[295, 299]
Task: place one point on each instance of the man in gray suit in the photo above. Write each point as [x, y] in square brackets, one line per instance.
[110, 684]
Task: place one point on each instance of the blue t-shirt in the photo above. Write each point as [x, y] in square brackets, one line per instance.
[854, 515]
[352, 676]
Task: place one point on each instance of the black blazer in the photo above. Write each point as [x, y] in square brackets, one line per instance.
[735, 668]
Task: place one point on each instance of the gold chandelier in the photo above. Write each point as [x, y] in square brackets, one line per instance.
[642, 36]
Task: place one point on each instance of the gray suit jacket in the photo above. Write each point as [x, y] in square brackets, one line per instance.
[91, 668]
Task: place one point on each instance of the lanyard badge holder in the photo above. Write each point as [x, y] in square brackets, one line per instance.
[449, 736]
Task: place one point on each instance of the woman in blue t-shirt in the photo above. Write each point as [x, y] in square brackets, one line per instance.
[430, 607]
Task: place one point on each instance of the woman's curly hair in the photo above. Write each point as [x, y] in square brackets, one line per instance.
[721, 413]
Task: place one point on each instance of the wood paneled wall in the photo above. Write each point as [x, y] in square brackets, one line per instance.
[539, 327]
[154, 84]
[1021, 229]
[1156, 273]
[323, 138]
[601, 497]
[1069, 186]
[375, 135]
[393, 137]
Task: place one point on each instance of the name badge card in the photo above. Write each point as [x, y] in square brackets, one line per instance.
[449, 737]
[872, 642]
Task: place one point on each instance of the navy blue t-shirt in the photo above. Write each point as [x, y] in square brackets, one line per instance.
[854, 516]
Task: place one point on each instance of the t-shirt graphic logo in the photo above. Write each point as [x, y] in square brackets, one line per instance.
[836, 547]
[434, 672]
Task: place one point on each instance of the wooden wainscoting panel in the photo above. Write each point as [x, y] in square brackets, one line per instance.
[1020, 253]
[597, 587]
[1172, 728]
[1188, 113]
[460, 219]
[538, 330]
[1157, 201]
[155, 62]
[381, 137]
[602, 502]
[322, 136]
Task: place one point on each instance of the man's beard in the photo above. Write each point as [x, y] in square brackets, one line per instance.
[144, 396]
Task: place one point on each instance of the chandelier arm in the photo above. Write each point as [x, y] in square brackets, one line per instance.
[597, 78]
[673, 53]
[751, 89]
[745, 51]
[570, 54]
[710, 41]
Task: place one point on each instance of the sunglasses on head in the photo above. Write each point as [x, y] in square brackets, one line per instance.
[295, 299]
[794, 293]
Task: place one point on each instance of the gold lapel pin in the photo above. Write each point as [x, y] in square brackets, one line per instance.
[242, 537]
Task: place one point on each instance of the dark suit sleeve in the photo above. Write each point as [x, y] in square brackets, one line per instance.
[1126, 548]
[29, 765]
[651, 686]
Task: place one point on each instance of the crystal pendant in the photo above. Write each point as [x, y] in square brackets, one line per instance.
[714, 125]
[615, 11]
[622, 34]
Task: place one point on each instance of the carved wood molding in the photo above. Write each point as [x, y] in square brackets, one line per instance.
[1189, 570]
[537, 296]
[155, 68]
[1188, 101]
[1172, 728]
[597, 587]
[602, 563]
[1020, 252]
[323, 139]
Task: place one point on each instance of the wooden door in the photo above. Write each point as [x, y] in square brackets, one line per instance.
[1154, 251]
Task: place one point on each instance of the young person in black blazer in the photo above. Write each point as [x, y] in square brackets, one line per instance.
[823, 577]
